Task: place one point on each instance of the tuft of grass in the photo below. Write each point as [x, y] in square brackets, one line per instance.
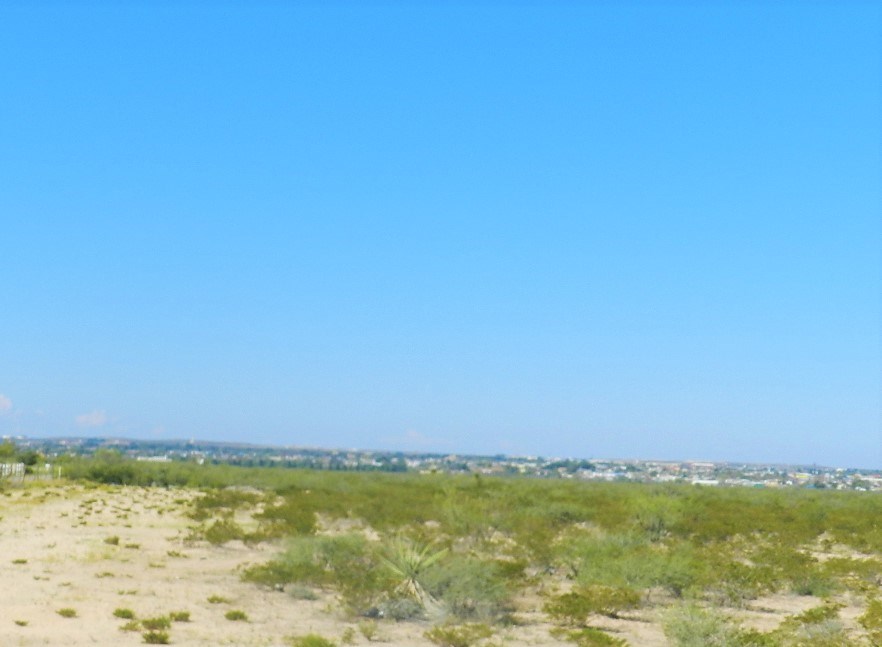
[591, 637]
[236, 615]
[125, 614]
[156, 637]
[368, 629]
[464, 635]
[310, 640]
[113, 541]
[131, 625]
[67, 612]
[21, 623]
[217, 599]
[19, 561]
[157, 623]
[179, 616]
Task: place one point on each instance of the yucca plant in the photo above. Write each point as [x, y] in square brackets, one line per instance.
[408, 561]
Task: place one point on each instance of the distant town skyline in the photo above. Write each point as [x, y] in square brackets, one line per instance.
[556, 229]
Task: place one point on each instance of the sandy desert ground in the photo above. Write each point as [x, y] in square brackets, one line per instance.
[98, 549]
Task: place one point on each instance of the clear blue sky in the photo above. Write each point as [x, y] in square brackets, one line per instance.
[567, 229]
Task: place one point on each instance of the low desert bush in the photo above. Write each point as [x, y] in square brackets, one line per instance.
[465, 635]
[349, 563]
[156, 624]
[819, 627]
[223, 531]
[470, 589]
[310, 640]
[67, 612]
[575, 607]
[589, 637]
[179, 616]
[156, 637]
[301, 592]
[125, 614]
[871, 621]
[368, 629]
[693, 626]
[236, 615]
[295, 516]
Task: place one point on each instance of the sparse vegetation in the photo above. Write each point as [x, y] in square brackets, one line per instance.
[465, 635]
[67, 612]
[311, 640]
[156, 637]
[466, 552]
[236, 615]
[156, 623]
[368, 629]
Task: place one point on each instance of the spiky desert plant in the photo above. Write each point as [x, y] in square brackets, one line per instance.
[408, 561]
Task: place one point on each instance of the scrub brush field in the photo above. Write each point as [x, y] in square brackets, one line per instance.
[122, 552]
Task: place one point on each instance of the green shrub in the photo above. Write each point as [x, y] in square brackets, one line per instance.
[113, 541]
[156, 637]
[871, 620]
[225, 500]
[125, 614]
[573, 608]
[157, 623]
[368, 629]
[397, 608]
[815, 615]
[347, 562]
[470, 588]
[295, 516]
[236, 615]
[179, 616]
[67, 612]
[692, 626]
[459, 635]
[217, 599]
[310, 640]
[301, 592]
[222, 531]
[590, 637]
